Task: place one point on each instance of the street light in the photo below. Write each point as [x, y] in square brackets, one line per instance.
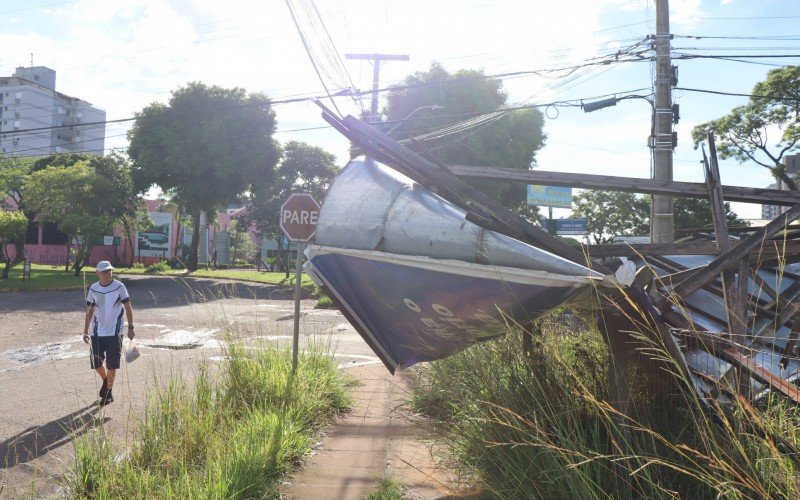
[400, 122]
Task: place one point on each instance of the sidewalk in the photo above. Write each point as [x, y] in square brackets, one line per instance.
[372, 441]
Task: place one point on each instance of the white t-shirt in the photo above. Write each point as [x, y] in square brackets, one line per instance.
[108, 310]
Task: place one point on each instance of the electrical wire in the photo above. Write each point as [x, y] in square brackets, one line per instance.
[310, 56]
[738, 94]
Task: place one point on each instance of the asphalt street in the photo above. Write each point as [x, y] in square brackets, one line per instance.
[48, 393]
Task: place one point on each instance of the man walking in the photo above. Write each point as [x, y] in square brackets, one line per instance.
[104, 305]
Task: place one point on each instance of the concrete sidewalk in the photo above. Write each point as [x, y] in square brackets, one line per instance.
[372, 441]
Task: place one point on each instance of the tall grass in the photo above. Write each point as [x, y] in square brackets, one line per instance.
[233, 435]
[540, 426]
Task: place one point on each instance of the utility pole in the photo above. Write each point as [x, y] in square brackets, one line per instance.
[662, 220]
[376, 60]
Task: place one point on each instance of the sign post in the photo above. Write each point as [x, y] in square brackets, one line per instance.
[298, 220]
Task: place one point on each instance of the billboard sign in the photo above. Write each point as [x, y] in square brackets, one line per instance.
[550, 196]
[571, 226]
[155, 242]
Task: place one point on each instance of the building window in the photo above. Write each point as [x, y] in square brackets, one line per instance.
[52, 236]
[32, 234]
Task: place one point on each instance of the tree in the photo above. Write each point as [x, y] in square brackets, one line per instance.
[80, 203]
[207, 146]
[435, 99]
[242, 246]
[694, 214]
[744, 133]
[303, 168]
[13, 226]
[611, 213]
[122, 203]
[13, 172]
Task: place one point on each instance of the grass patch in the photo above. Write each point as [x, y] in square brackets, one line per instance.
[49, 277]
[46, 277]
[539, 426]
[233, 436]
[272, 278]
[389, 488]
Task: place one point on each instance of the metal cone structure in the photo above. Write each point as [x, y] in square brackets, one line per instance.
[417, 279]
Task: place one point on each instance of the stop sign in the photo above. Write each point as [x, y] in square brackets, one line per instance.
[299, 215]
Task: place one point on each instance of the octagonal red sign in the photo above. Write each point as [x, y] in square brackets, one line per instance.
[298, 217]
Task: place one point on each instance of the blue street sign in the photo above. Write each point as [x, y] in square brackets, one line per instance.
[571, 226]
[550, 196]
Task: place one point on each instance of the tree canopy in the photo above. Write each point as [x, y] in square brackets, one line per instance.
[77, 200]
[432, 100]
[610, 214]
[303, 168]
[747, 133]
[205, 147]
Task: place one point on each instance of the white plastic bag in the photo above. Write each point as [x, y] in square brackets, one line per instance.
[132, 352]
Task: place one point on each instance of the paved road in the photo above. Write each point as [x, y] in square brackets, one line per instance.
[49, 391]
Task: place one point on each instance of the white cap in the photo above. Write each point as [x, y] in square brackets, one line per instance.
[104, 265]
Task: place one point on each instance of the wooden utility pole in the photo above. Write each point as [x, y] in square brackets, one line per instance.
[376, 60]
[662, 220]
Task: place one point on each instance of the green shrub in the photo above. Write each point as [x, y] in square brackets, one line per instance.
[324, 302]
[158, 267]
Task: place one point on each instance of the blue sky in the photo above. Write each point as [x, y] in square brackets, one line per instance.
[122, 55]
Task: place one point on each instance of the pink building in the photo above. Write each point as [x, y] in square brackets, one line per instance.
[45, 244]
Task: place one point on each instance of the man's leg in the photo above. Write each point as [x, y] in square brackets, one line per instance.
[113, 350]
[96, 359]
[110, 378]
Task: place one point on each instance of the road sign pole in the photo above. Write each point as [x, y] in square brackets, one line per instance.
[298, 220]
[296, 334]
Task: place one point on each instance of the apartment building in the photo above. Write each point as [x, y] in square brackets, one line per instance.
[36, 120]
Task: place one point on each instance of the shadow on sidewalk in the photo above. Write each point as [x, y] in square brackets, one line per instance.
[34, 442]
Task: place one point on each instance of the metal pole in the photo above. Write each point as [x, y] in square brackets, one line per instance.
[662, 221]
[550, 228]
[296, 335]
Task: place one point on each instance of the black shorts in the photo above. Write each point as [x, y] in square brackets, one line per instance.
[106, 349]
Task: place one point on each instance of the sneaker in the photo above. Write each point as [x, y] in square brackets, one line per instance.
[106, 398]
[104, 388]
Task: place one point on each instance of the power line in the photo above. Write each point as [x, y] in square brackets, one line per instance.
[737, 56]
[289, 100]
[737, 94]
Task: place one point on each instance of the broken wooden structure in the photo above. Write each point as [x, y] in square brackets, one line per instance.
[724, 307]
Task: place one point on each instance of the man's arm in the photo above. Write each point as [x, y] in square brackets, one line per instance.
[89, 314]
[129, 317]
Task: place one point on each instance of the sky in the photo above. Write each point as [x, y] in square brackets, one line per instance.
[122, 55]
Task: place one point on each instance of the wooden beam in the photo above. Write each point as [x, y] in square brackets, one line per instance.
[686, 248]
[627, 184]
[734, 305]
